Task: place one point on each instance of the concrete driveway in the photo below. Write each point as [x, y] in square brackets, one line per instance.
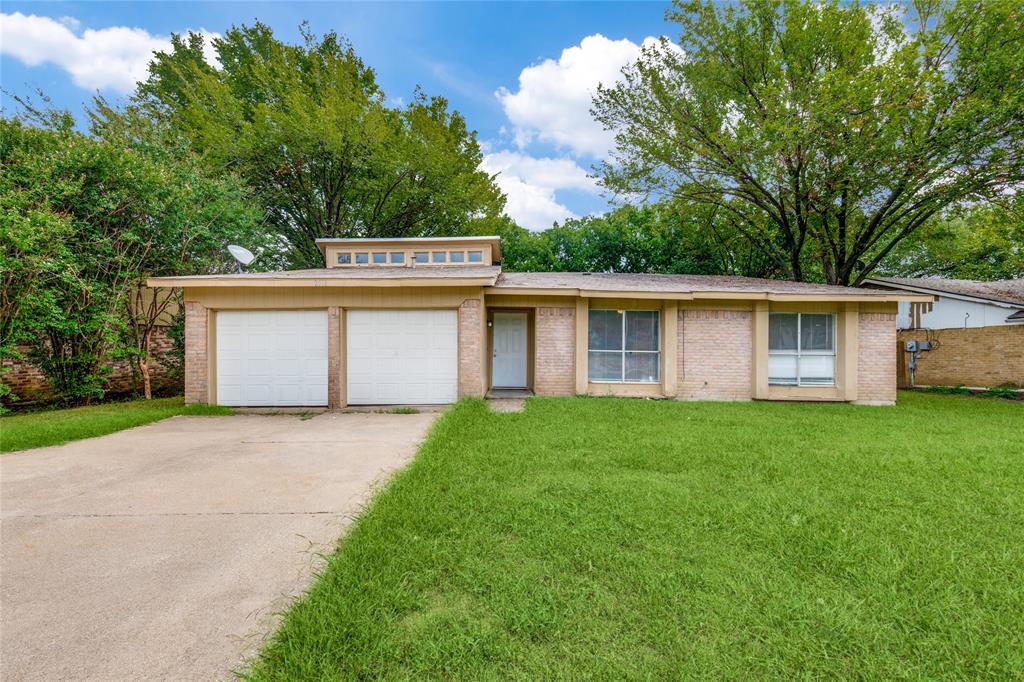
[164, 552]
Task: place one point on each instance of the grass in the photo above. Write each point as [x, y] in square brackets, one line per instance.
[53, 427]
[624, 539]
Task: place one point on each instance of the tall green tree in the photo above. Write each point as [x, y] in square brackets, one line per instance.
[309, 129]
[90, 217]
[662, 238]
[980, 242]
[826, 132]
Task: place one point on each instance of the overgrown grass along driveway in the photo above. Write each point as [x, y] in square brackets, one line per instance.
[53, 427]
[606, 539]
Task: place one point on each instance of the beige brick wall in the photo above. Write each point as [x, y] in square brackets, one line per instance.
[196, 367]
[471, 349]
[876, 361]
[555, 351]
[981, 356]
[715, 355]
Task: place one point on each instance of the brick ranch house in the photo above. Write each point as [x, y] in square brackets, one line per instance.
[974, 331]
[428, 321]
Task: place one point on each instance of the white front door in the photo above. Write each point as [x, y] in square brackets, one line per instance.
[508, 364]
[402, 357]
[271, 357]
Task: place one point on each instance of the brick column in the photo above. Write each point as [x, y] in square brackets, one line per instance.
[876, 366]
[197, 350]
[554, 370]
[670, 350]
[335, 400]
[581, 334]
[471, 349]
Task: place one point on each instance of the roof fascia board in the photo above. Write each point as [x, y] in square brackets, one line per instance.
[321, 282]
[530, 291]
[663, 295]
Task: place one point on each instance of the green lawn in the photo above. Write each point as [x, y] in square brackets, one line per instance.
[610, 539]
[53, 427]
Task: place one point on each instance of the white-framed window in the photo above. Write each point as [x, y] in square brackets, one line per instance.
[380, 258]
[362, 258]
[421, 257]
[344, 259]
[439, 257]
[624, 346]
[476, 256]
[398, 258]
[457, 256]
[802, 349]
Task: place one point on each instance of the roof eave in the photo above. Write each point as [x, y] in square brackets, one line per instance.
[709, 295]
[336, 282]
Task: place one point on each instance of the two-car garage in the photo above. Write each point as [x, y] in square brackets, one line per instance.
[280, 357]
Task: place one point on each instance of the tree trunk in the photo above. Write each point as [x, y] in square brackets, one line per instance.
[143, 362]
[147, 388]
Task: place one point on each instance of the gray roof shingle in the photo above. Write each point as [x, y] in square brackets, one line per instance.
[656, 283]
[1009, 291]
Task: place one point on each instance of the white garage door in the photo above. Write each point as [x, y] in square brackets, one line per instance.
[397, 357]
[272, 357]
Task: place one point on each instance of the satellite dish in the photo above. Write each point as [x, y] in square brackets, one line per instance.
[241, 254]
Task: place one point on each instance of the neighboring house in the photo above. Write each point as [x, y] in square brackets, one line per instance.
[974, 331]
[428, 321]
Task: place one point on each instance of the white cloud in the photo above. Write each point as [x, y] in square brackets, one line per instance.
[116, 57]
[554, 97]
[531, 183]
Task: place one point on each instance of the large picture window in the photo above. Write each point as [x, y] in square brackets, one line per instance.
[802, 349]
[624, 346]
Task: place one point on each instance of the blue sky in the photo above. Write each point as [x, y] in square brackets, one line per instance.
[521, 73]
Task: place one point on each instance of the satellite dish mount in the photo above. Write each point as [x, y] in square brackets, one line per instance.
[242, 256]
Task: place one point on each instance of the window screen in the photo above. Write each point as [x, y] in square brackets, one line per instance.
[624, 346]
[801, 349]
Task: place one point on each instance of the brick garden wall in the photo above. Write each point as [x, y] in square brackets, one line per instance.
[715, 355]
[29, 383]
[555, 353]
[978, 356]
